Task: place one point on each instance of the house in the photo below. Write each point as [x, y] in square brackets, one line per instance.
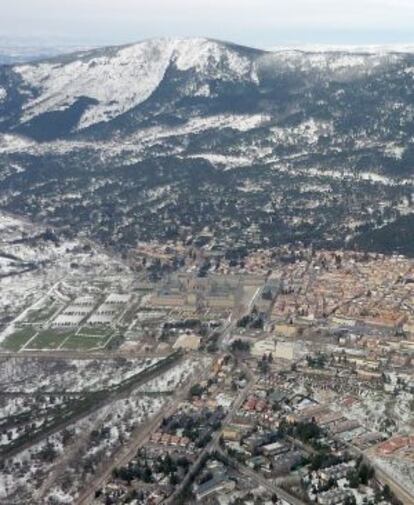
[333, 496]
[274, 449]
[395, 444]
[250, 404]
[335, 472]
[257, 462]
[242, 421]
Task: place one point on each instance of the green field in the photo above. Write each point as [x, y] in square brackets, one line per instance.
[41, 315]
[49, 339]
[87, 339]
[17, 340]
[77, 342]
[94, 331]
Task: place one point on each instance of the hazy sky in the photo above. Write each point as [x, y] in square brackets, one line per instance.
[261, 23]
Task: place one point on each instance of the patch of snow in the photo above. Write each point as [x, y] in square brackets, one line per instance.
[239, 122]
[347, 174]
[342, 65]
[60, 497]
[203, 91]
[29, 375]
[401, 470]
[173, 378]
[130, 77]
[208, 55]
[223, 159]
[394, 151]
[308, 131]
[14, 143]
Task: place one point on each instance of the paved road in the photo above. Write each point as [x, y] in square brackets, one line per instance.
[122, 457]
[213, 445]
[273, 488]
[82, 355]
[214, 442]
[241, 309]
[68, 456]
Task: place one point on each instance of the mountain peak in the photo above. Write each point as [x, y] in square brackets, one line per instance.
[167, 70]
[131, 74]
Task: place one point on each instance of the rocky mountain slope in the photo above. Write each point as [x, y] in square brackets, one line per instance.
[165, 138]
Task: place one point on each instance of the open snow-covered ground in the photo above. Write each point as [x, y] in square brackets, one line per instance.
[175, 377]
[62, 464]
[14, 405]
[400, 469]
[88, 443]
[43, 268]
[30, 375]
[383, 412]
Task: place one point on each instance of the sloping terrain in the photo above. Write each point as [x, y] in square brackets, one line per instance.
[164, 138]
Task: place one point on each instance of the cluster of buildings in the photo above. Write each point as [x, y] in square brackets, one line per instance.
[216, 292]
[178, 441]
[328, 371]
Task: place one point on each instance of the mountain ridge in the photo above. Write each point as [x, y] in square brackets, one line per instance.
[132, 74]
[162, 140]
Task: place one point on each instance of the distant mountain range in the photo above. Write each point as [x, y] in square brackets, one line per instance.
[167, 138]
[158, 78]
[346, 48]
[15, 54]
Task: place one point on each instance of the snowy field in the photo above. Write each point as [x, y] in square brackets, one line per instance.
[52, 276]
[52, 468]
[177, 376]
[400, 469]
[382, 412]
[56, 469]
[30, 375]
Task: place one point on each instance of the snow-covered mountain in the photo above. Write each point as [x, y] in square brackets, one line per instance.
[85, 89]
[142, 140]
[130, 76]
[104, 84]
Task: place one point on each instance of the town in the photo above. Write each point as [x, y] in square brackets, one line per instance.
[207, 252]
[278, 376]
